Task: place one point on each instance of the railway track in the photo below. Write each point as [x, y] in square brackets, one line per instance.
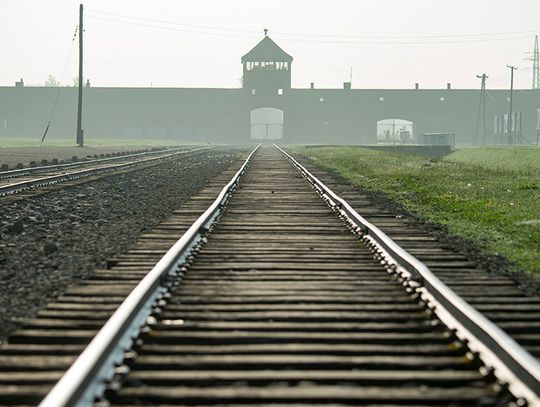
[269, 298]
[15, 181]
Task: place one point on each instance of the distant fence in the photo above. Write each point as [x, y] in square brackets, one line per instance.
[423, 151]
[437, 139]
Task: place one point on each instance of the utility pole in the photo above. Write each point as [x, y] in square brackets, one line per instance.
[510, 134]
[481, 108]
[80, 134]
[536, 65]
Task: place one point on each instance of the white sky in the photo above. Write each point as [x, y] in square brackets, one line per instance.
[177, 43]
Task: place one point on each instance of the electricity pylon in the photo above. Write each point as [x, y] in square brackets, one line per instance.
[536, 65]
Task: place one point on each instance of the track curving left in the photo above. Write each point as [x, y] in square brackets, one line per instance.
[17, 181]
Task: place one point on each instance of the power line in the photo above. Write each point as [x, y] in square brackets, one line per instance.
[175, 22]
[311, 34]
[392, 41]
[170, 28]
[59, 88]
[403, 68]
[480, 60]
[480, 57]
[398, 43]
[411, 36]
[493, 99]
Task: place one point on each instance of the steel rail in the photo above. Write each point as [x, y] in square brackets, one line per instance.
[57, 167]
[511, 363]
[54, 179]
[87, 377]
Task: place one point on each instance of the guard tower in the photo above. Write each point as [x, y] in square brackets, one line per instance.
[267, 68]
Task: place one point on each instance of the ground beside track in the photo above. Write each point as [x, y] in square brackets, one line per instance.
[24, 155]
[59, 237]
[487, 196]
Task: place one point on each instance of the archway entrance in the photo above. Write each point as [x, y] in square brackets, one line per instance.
[394, 131]
[266, 123]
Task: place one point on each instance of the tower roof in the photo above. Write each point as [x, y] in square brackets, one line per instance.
[265, 51]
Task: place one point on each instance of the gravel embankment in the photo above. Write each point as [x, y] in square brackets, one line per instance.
[56, 238]
[24, 155]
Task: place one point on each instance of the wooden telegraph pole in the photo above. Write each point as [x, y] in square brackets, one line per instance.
[80, 134]
[510, 134]
[481, 109]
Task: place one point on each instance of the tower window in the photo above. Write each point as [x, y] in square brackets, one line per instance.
[252, 91]
[280, 92]
[321, 100]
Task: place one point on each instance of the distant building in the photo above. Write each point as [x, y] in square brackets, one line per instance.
[266, 68]
[267, 108]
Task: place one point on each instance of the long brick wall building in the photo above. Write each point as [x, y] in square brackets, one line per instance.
[265, 107]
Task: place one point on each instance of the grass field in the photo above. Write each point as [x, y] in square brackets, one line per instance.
[489, 195]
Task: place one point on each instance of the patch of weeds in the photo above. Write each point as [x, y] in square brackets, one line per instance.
[489, 195]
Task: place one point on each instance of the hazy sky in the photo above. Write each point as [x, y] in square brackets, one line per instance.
[162, 43]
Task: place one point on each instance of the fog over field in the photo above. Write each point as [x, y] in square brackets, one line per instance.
[302, 72]
[388, 43]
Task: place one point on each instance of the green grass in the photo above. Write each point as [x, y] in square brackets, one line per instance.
[89, 142]
[525, 160]
[489, 195]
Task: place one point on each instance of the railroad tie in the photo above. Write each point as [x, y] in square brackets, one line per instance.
[283, 305]
[37, 355]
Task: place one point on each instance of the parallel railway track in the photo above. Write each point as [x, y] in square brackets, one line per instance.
[15, 181]
[269, 299]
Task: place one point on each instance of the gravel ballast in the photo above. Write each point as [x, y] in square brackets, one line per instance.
[57, 238]
[11, 156]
